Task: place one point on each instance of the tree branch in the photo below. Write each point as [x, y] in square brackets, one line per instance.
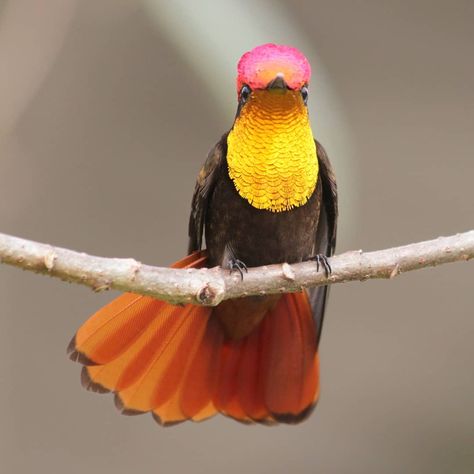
[211, 286]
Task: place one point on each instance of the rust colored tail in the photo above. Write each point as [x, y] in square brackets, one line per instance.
[176, 362]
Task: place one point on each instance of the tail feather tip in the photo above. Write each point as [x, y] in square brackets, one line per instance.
[89, 384]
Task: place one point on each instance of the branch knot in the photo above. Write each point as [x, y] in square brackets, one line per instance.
[210, 295]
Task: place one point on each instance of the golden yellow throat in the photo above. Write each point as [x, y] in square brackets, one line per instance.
[271, 153]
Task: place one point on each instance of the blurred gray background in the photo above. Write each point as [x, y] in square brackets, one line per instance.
[107, 110]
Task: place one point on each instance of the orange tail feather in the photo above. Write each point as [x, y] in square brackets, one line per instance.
[202, 378]
[176, 362]
[289, 362]
[250, 380]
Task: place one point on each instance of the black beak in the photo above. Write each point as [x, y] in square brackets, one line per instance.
[278, 82]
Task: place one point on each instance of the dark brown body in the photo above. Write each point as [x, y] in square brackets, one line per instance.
[236, 230]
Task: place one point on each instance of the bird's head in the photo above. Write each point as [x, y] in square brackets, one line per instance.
[271, 154]
[273, 74]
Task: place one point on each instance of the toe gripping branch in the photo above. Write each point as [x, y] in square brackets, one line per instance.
[322, 261]
[238, 265]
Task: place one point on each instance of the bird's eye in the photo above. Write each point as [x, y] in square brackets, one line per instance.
[304, 94]
[245, 93]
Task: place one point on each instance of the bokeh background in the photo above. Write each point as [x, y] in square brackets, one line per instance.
[107, 110]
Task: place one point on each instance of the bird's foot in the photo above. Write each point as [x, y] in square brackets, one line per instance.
[238, 265]
[322, 261]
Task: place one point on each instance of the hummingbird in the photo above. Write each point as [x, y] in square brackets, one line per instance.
[266, 194]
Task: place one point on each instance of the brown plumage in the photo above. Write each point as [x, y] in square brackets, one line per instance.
[236, 230]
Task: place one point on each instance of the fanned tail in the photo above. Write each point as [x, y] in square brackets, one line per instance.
[176, 362]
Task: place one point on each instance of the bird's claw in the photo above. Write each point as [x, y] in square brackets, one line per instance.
[238, 265]
[322, 260]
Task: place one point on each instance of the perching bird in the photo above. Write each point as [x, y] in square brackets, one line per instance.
[266, 194]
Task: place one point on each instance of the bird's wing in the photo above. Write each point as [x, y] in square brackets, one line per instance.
[325, 239]
[202, 192]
